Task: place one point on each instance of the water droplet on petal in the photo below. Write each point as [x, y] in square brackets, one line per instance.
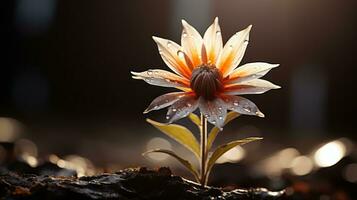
[220, 117]
[174, 110]
[218, 32]
[260, 114]
[246, 109]
[213, 121]
[180, 54]
[184, 34]
[167, 117]
[189, 105]
[169, 44]
[168, 80]
[235, 103]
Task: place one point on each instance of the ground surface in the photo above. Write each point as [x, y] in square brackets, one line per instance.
[126, 184]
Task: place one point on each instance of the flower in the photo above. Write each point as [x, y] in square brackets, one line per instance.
[207, 75]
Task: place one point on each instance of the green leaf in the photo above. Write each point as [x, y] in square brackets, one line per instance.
[184, 162]
[179, 133]
[226, 147]
[214, 132]
[195, 119]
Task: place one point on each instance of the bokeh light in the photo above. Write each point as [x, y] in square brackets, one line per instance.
[234, 155]
[350, 173]
[31, 160]
[286, 156]
[9, 129]
[156, 143]
[329, 154]
[25, 147]
[301, 165]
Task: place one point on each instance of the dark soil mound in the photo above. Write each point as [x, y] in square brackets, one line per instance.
[126, 184]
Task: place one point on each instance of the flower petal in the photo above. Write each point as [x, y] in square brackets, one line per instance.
[256, 86]
[250, 71]
[233, 51]
[215, 111]
[191, 42]
[164, 100]
[181, 108]
[213, 41]
[241, 105]
[170, 53]
[161, 78]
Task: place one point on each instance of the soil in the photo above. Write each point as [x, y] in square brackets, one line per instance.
[132, 183]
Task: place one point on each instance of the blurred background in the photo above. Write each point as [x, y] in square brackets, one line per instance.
[67, 97]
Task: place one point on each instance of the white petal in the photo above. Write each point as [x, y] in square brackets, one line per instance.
[161, 78]
[213, 41]
[241, 105]
[215, 111]
[181, 108]
[256, 86]
[250, 71]
[164, 100]
[170, 54]
[191, 42]
[233, 51]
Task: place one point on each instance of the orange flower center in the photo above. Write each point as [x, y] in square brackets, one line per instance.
[206, 81]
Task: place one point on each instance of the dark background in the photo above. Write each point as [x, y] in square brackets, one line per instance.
[65, 72]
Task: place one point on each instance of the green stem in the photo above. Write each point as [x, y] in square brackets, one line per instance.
[203, 133]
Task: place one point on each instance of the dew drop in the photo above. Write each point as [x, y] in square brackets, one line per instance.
[189, 105]
[246, 109]
[184, 34]
[213, 121]
[180, 54]
[174, 110]
[149, 72]
[169, 44]
[219, 108]
[168, 80]
[218, 32]
[167, 117]
[260, 114]
[220, 117]
[235, 103]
